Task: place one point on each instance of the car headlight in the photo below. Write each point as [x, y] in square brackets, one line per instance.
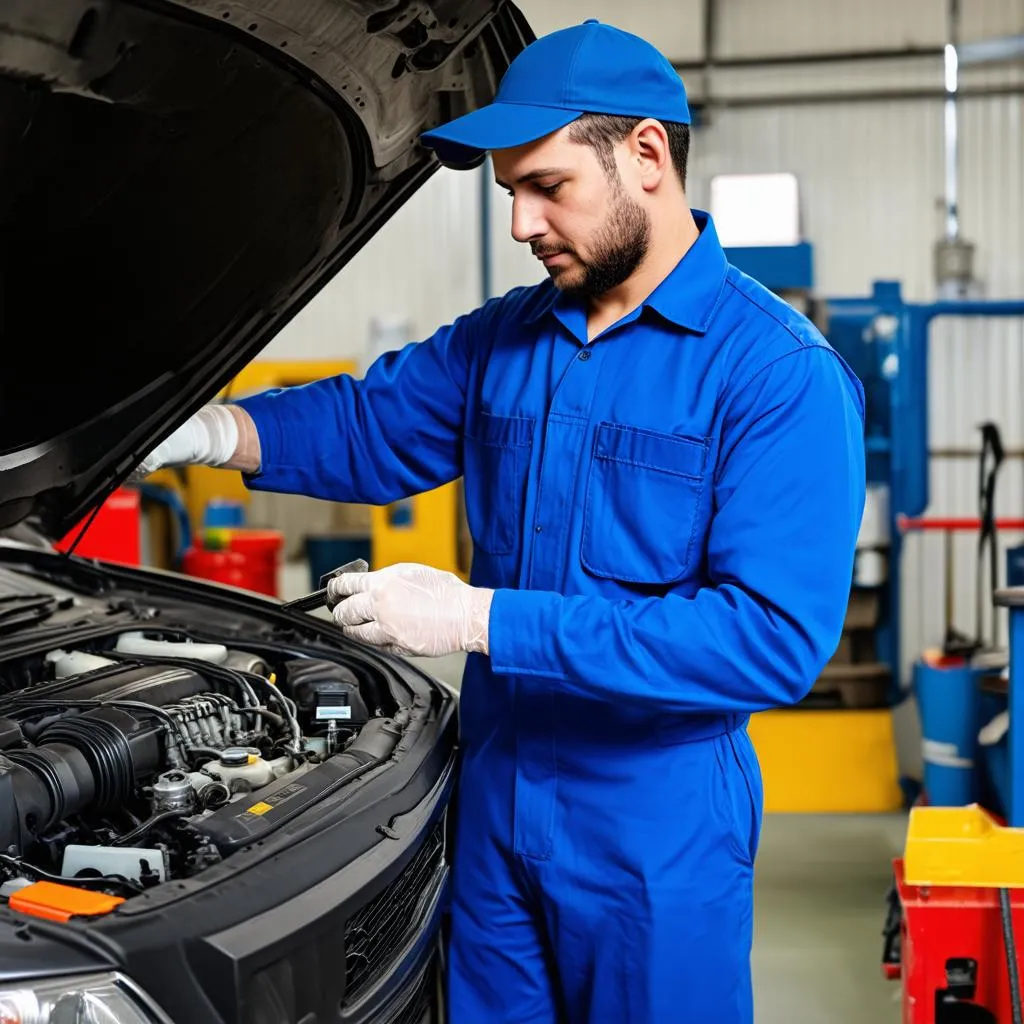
[79, 999]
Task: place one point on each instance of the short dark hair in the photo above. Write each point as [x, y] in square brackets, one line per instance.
[603, 131]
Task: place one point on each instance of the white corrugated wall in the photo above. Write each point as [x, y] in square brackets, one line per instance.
[422, 269]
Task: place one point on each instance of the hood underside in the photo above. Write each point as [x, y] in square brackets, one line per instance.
[177, 179]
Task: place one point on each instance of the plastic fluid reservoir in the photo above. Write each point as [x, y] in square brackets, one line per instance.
[242, 769]
[137, 643]
[73, 663]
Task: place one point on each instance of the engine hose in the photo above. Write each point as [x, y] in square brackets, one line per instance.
[149, 823]
[209, 752]
[1010, 947]
[287, 706]
[213, 796]
[107, 752]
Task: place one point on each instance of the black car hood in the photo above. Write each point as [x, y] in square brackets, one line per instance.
[177, 179]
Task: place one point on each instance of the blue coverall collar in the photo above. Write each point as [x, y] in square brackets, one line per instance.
[687, 297]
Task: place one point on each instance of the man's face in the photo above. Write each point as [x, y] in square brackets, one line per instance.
[579, 221]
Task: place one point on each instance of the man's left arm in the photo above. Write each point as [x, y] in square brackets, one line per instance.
[789, 496]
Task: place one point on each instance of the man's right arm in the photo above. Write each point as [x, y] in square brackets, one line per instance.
[394, 433]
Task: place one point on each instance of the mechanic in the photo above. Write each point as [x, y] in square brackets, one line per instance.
[664, 478]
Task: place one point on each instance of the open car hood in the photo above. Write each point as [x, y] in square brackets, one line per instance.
[177, 179]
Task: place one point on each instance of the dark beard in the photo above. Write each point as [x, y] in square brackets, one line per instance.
[619, 249]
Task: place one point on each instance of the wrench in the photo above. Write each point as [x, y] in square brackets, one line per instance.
[318, 599]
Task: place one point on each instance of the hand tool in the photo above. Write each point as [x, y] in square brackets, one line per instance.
[318, 599]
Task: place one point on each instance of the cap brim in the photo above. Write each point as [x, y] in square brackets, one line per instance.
[465, 141]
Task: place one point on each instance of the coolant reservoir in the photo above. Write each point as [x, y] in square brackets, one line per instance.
[242, 769]
[138, 643]
[73, 663]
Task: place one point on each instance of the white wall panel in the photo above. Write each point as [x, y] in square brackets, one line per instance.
[749, 28]
[424, 267]
[815, 82]
[676, 27]
[871, 178]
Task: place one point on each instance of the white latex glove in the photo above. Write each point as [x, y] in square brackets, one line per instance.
[208, 438]
[412, 610]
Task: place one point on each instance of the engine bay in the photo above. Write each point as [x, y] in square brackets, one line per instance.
[150, 755]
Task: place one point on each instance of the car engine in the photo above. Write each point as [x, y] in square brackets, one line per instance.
[153, 757]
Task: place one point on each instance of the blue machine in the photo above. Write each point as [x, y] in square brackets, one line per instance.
[885, 340]
[1013, 795]
[782, 268]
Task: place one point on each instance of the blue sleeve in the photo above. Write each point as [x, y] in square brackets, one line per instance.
[396, 432]
[788, 498]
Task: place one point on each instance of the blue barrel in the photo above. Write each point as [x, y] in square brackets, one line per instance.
[950, 704]
[223, 512]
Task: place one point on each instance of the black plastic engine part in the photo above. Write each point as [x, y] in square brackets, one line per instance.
[38, 788]
[152, 684]
[245, 822]
[119, 747]
[93, 760]
[323, 690]
[10, 734]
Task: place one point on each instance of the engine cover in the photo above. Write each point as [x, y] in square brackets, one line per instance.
[150, 684]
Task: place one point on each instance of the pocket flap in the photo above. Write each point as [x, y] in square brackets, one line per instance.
[667, 453]
[501, 431]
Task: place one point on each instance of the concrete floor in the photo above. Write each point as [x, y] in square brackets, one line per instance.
[820, 888]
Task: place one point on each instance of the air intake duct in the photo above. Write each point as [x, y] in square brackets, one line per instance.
[92, 760]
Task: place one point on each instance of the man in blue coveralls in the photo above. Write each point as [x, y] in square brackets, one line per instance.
[664, 478]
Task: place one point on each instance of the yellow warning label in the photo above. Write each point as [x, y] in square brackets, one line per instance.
[260, 808]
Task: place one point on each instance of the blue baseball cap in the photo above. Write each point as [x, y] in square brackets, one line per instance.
[586, 69]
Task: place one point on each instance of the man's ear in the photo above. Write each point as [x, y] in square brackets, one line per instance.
[649, 152]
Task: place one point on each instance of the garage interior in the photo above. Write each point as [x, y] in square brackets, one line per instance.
[866, 162]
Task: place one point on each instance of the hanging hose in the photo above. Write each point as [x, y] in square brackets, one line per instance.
[991, 450]
[1010, 947]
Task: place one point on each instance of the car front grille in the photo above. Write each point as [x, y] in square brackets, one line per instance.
[419, 1009]
[375, 934]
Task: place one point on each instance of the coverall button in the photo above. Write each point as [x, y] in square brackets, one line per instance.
[584, 355]
[539, 529]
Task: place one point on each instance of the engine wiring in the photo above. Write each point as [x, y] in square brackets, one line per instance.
[224, 673]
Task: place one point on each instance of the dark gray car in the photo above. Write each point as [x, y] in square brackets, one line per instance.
[212, 808]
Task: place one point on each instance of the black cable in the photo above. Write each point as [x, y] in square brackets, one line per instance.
[149, 823]
[1010, 947]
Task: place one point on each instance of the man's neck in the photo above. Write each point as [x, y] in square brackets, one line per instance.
[671, 239]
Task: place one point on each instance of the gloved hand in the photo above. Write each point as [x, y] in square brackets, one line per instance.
[412, 610]
[209, 437]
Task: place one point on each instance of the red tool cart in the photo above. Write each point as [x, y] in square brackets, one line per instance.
[115, 534]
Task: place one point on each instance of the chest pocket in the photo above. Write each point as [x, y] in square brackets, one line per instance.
[496, 462]
[643, 504]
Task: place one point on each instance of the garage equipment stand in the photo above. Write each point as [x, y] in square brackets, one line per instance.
[959, 890]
